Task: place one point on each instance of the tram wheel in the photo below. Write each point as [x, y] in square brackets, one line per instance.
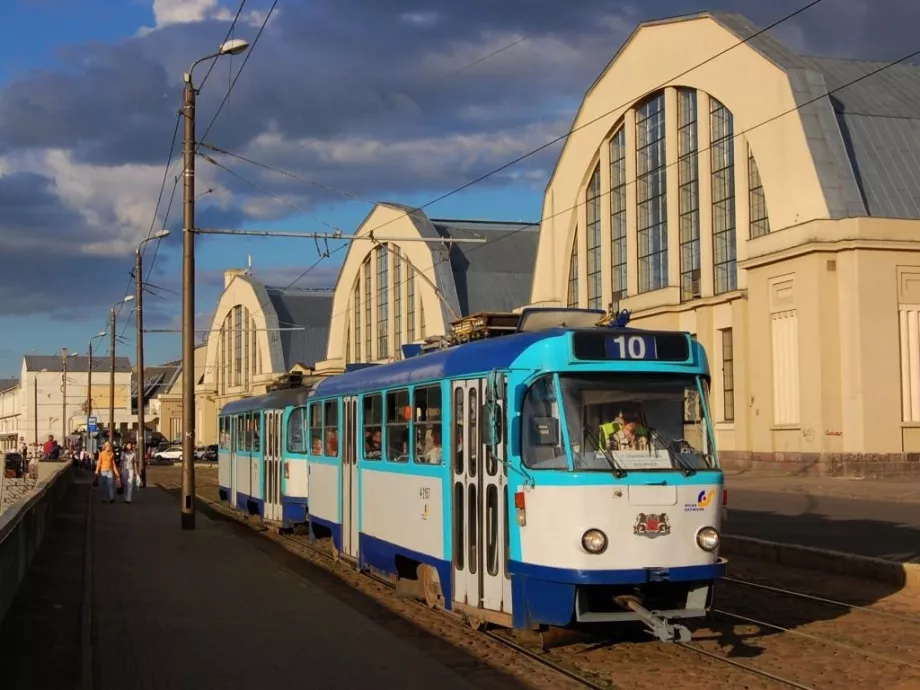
[431, 586]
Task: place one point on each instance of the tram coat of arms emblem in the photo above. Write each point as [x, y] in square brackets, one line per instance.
[652, 525]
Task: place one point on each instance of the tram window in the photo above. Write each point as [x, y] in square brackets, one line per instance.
[428, 449]
[473, 452]
[241, 433]
[541, 440]
[257, 432]
[473, 531]
[331, 428]
[492, 529]
[223, 441]
[296, 439]
[399, 414]
[316, 429]
[458, 432]
[373, 427]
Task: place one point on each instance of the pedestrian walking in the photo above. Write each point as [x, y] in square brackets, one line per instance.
[129, 470]
[107, 472]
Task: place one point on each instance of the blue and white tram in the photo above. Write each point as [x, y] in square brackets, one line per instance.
[551, 478]
[261, 469]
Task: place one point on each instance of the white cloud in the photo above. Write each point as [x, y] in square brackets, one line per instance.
[167, 12]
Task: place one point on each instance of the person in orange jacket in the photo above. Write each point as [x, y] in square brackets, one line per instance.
[107, 471]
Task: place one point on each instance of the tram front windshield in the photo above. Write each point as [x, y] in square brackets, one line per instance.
[617, 423]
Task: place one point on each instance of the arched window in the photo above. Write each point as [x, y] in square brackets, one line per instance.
[397, 300]
[368, 337]
[723, 198]
[572, 297]
[357, 318]
[383, 306]
[618, 213]
[760, 221]
[410, 303]
[593, 229]
[689, 197]
[651, 194]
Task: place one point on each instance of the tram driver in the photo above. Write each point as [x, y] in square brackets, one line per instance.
[624, 432]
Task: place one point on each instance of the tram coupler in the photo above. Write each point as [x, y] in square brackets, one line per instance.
[658, 626]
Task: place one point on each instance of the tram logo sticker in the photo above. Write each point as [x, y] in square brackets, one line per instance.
[652, 525]
[702, 501]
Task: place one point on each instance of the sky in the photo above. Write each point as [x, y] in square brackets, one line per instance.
[361, 100]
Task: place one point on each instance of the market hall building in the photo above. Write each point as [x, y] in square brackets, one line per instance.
[412, 276]
[776, 222]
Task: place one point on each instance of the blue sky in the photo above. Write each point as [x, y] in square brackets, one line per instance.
[359, 95]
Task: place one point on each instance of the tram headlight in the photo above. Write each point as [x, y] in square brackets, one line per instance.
[708, 539]
[594, 541]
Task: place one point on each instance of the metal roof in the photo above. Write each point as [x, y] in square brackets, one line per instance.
[306, 308]
[864, 138]
[157, 380]
[53, 363]
[495, 276]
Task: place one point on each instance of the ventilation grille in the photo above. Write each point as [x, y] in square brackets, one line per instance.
[832, 265]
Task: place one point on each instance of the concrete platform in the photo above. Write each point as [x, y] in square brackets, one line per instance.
[217, 607]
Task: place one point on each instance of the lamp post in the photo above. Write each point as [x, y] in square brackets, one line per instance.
[127, 298]
[91, 447]
[64, 395]
[138, 311]
[233, 47]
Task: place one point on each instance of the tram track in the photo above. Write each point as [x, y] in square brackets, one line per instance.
[821, 600]
[581, 676]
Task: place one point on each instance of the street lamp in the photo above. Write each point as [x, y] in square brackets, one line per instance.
[232, 47]
[127, 298]
[138, 311]
[91, 448]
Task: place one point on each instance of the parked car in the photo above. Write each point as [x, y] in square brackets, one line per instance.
[14, 465]
[206, 454]
[168, 454]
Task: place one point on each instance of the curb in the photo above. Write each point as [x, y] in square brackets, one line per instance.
[905, 575]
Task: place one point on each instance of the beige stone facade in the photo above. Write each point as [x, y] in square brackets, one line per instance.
[779, 224]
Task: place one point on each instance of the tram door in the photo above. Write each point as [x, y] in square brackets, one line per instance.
[479, 506]
[350, 496]
[271, 487]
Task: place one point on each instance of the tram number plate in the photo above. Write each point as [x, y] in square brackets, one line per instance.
[424, 493]
[632, 347]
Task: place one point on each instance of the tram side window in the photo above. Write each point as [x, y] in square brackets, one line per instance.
[256, 432]
[373, 427]
[399, 414]
[241, 433]
[223, 439]
[428, 448]
[296, 440]
[316, 429]
[331, 428]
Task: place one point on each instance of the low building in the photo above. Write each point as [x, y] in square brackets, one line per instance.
[747, 200]
[10, 413]
[411, 276]
[49, 400]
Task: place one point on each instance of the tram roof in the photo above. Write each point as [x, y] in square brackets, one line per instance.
[275, 400]
[470, 358]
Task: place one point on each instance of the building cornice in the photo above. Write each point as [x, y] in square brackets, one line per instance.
[829, 248]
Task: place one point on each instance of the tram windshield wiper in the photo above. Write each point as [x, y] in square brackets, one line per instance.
[593, 439]
[688, 469]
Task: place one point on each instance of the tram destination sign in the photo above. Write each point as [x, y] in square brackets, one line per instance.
[631, 346]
